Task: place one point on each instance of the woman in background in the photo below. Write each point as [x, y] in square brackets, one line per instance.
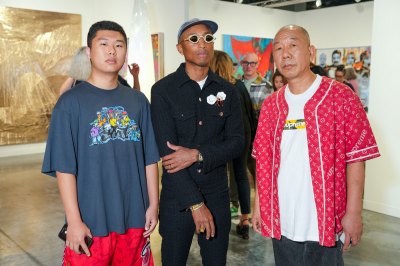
[80, 71]
[278, 80]
[351, 76]
[222, 65]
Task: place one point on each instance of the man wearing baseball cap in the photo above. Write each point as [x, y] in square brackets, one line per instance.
[197, 122]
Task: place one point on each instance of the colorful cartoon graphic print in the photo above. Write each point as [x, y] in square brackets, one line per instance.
[113, 123]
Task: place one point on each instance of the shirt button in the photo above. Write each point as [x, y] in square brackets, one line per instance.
[199, 99]
[199, 171]
[200, 123]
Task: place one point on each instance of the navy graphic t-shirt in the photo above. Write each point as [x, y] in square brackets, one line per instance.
[105, 138]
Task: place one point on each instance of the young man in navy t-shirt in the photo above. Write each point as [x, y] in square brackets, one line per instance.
[101, 148]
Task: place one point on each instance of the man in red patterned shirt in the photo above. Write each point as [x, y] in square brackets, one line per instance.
[312, 140]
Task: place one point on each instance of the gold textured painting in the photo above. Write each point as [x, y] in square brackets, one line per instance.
[35, 52]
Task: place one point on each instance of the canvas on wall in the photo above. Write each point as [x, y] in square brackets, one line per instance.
[36, 49]
[237, 46]
[356, 60]
[157, 41]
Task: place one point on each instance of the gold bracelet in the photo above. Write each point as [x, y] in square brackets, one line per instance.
[196, 206]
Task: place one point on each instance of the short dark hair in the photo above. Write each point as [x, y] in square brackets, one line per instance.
[341, 68]
[318, 70]
[104, 25]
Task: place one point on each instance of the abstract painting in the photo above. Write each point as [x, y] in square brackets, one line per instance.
[237, 46]
[35, 52]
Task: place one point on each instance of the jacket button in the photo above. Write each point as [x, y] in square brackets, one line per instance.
[221, 113]
[199, 171]
[199, 99]
[200, 123]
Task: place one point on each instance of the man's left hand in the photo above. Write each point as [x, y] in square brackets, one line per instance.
[180, 159]
[352, 228]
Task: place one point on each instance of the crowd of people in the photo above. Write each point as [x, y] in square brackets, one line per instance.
[304, 139]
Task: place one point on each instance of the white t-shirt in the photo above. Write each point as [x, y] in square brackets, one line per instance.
[202, 82]
[298, 213]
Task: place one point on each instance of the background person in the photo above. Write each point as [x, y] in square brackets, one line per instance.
[351, 76]
[239, 186]
[80, 70]
[278, 80]
[340, 73]
[259, 89]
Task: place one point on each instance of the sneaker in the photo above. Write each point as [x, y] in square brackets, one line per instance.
[234, 211]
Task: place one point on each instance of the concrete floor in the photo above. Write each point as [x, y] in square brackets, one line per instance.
[31, 214]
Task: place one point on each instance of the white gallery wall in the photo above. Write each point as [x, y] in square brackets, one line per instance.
[342, 26]
[382, 190]
[371, 23]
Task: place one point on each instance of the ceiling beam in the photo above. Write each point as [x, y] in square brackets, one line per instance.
[279, 3]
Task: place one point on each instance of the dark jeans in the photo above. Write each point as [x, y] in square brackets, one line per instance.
[239, 181]
[309, 253]
[177, 229]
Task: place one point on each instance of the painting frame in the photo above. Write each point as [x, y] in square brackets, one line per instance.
[157, 41]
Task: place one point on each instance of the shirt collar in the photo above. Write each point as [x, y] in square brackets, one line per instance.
[183, 77]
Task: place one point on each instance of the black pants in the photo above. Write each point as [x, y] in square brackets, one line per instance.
[309, 253]
[239, 187]
[177, 229]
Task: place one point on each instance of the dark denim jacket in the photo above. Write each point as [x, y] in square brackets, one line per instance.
[185, 115]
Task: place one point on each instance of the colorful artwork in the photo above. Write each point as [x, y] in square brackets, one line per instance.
[356, 60]
[157, 41]
[36, 48]
[238, 46]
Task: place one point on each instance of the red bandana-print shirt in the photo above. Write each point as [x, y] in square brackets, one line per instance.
[338, 133]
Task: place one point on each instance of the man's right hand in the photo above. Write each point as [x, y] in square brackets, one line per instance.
[204, 220]
[180, 159]
[76, 233]
[256, 217]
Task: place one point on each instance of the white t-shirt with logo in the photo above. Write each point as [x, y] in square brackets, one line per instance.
[298, 213]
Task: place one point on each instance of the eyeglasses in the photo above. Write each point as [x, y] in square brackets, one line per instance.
[245, 63]
[195, 38]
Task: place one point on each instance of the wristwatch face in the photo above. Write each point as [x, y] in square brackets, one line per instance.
[200, 157]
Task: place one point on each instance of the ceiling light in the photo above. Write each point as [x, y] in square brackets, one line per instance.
[318, 3]
[357, 1]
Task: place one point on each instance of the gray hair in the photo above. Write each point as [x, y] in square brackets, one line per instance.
[80, 65]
